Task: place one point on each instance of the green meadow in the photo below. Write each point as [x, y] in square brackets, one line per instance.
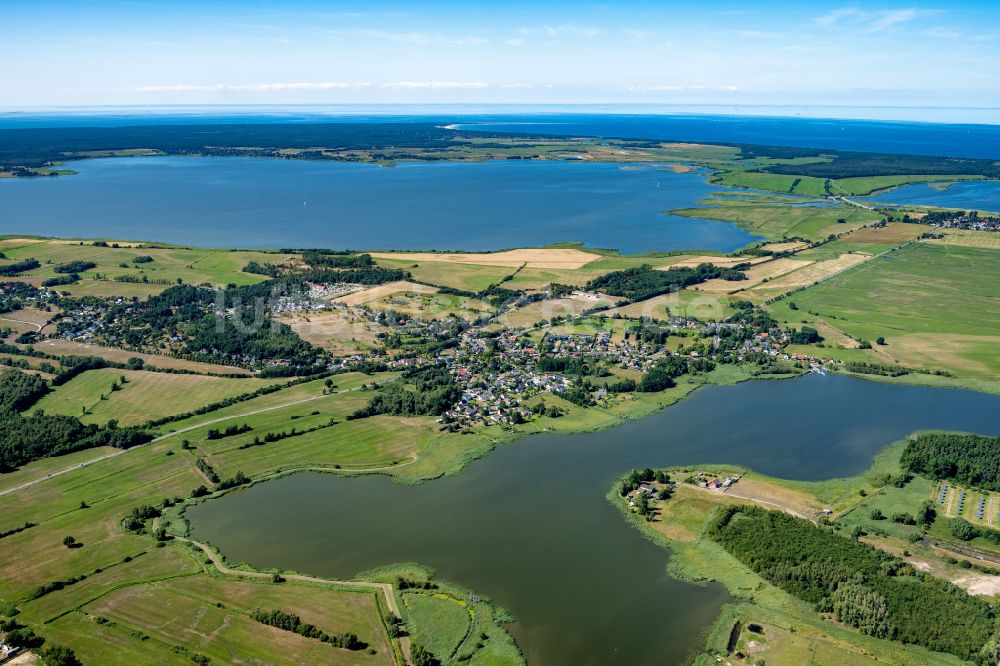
[144, 396]
[169, 264]
[930, 303]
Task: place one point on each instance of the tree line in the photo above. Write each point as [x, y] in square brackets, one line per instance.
[642, 282]
[433, 392]
[972, 460]
[859, 584]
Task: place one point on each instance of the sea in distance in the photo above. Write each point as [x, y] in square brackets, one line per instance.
[268, 203]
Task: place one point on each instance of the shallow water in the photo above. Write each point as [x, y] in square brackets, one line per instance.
[267, 203]
[528, 526]
[973, 195]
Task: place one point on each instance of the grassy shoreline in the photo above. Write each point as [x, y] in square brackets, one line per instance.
[700, 560]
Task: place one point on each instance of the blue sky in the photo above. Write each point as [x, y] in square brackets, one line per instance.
[944, 53]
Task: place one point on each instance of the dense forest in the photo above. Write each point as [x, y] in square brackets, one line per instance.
[333, 259]
[642, 282]
[859, 584]
[34, 147]
[972, 460]
[19, 390]
[366, 275]
[852, 165]
[663, 373]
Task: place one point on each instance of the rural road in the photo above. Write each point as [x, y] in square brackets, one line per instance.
[21, 321]
[113, 454]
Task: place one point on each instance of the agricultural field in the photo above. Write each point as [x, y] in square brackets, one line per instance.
[341, 330]
[804, 186]
[684, 303]
[927, 300]
[805, 273]
[144, 396]
[167, 265]
[61, 347]
[155, 604]
[466, 276]
[561, 258]
[982, 239]
[573, 305]
[429, 306]
[756, 274]
[779, 221]
[374, 294]
[862, 186]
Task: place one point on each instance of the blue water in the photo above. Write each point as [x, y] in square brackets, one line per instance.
[266, 203]
[972, 195]
[954, 133]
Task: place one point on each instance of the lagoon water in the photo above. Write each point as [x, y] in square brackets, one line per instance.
[978, 195]
[529, 527]
[268, 203]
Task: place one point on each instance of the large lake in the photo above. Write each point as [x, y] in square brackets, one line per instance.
[528, 526]
[268, 203]
[978, 195]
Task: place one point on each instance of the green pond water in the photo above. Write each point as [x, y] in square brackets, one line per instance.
[529, 527]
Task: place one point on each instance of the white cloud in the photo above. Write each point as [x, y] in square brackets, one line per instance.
[681, 88]
[254, 87]
[565, 30]
[872, 20]
[517, 85]
[404, 37]
[437, 85]
[514, 41]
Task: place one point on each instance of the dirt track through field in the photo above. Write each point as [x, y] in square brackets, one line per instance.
[66, 470]
[565, 258]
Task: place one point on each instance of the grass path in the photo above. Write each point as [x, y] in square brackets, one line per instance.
[385, 588]
[21, 321]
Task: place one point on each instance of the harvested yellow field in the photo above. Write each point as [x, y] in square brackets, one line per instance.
[934, 350]
[340, 332]
[383, 290]
[8, 243]
[33, 317]
[755, 275]
[985, 239]
[807, 275]
[567, 258]
[691, 262]
[791, 246]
